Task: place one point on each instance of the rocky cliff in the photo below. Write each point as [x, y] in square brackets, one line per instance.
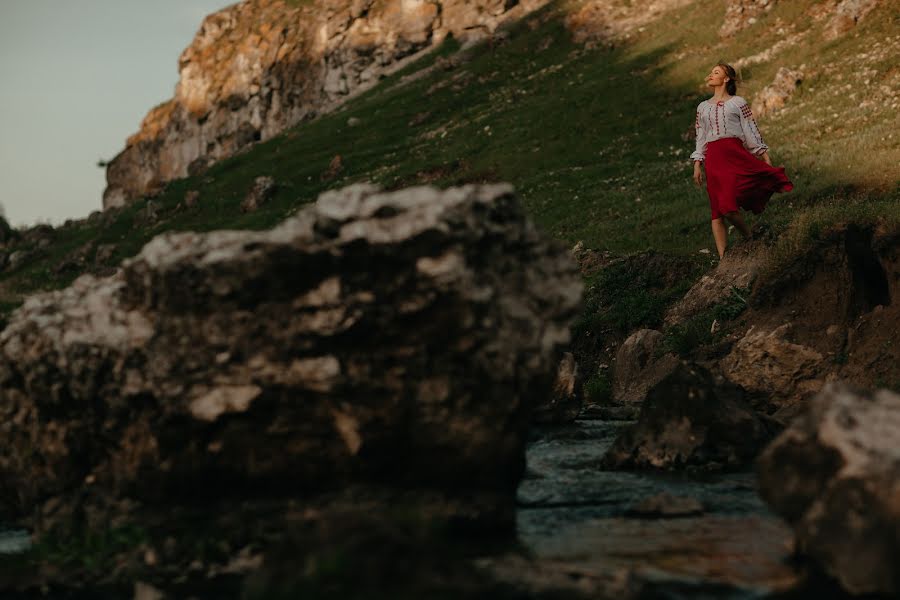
[258, 67]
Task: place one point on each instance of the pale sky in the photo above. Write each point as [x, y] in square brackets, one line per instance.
[76, 79]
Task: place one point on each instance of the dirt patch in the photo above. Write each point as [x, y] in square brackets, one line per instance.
[840, 299]
[833, 288]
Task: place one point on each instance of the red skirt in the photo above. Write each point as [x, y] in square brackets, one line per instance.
[735, 178]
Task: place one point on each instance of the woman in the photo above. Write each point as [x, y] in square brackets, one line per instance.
[739, 172]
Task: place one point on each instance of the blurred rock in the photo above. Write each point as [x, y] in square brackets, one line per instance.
[391, 341]
[740, 14]
[773, 97]
[846, 16]
[834, 474]
[264, 187]
[564, 402]
[638, 369]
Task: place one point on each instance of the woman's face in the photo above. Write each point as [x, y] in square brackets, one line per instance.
[716, 77]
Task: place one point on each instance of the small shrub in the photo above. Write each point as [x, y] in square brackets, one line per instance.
[598, 389]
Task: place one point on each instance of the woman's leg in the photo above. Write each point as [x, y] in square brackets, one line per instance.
[720, 234]
[737, 220]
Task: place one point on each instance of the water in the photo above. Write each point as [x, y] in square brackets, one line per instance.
[570, 510]
[14, 541]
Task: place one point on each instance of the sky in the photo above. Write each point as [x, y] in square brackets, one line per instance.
[76, 79]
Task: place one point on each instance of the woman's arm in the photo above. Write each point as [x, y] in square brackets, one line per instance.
[750, 132]
[699, 152]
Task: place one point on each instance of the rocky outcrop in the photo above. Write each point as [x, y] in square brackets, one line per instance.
[737, 271]
[770, 365]
[773, 97]
[399, 340]
[258, 67]
[604, 22]
[638, 368]
[691, 420]
[846, 15]
[835, 475]
[740, 14]
[564, 403]
[262, 191]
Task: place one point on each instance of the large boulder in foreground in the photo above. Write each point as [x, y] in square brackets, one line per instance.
[400, 339]
[691, 420]
[834, 474]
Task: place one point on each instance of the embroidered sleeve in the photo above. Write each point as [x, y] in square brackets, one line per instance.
[750, 131]
[700, 150]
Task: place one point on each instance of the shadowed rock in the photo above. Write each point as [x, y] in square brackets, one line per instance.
[690, 420]
[834, 474]
[637, 369]
[564, 403]
[400, 339]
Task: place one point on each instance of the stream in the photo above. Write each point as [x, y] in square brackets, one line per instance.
[571, 511]
[731, 546]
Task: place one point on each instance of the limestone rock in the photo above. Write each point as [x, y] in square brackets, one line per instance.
[104, 253]
[767, 362]
[394, 339]
[258, 67]
[263, 189]
[637, 370]
[600, 21]
[737, 270]
[691, 420]
[564, 403]
[835, 476]
[740, 14]
[773, 97]
[847, 14]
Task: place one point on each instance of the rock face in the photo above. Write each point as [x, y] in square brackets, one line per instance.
[773, 97]
[740, 14]
[737, 270]
[564, 403]
[399, 339]
[846, 15]
[601, 21]
[258, 67]
[637, 368]
[768, 363]
[835, 476]
[691, 420]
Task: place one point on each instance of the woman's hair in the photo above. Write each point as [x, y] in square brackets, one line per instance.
[731, 86]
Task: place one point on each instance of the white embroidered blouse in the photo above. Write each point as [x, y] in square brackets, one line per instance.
[726, 118]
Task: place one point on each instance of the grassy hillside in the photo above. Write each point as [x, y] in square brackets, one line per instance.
[594, 140]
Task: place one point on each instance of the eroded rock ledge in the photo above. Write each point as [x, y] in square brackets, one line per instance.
[258, 67]
[399, 339]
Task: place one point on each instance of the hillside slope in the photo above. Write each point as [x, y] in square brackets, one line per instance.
[587, 108]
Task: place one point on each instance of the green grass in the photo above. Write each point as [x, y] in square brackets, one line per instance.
[590, 139]
[684, 338]
[87, 552]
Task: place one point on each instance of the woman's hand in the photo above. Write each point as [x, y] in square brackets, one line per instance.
[698, 174]
[765, 157]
